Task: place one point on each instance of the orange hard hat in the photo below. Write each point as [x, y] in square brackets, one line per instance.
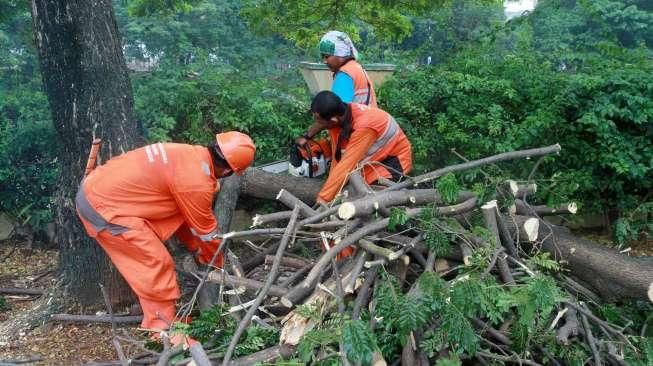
[238, 150]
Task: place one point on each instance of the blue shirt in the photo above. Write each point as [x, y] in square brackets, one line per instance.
[343, 86]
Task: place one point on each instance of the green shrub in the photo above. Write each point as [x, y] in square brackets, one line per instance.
[602, 117]
[174, 107]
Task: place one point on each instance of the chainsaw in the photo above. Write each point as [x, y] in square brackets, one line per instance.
[310, 160]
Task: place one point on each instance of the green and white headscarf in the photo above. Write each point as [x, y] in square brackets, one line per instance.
[338, 44]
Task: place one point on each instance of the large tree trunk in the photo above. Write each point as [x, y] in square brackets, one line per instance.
[89, 92]
[613, 275]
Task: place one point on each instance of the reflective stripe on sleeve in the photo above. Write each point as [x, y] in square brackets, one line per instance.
[390, 132]
[163, 152]
[148, 151]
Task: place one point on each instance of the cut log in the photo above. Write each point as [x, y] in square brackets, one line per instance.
[288, 262]
[265, 356]
[235, 282]
[295, 325]
[613, 275]
[225, 203]
[259, 220]
[261, 184]
[288, 199]
[370, 204]
[357, 185]
[520, 190]
[522, 208]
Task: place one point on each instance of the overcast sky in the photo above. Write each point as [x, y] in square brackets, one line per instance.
[513, 8]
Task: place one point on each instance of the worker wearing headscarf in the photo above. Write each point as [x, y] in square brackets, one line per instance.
[137, 200]
[350, 81]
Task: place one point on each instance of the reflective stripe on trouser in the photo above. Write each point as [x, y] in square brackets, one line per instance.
[148, 268]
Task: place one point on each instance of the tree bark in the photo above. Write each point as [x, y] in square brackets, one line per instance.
[261, 184]
[613, 275]
[90, 95]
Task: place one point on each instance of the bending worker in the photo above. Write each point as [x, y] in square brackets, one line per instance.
[361, 136]
[139, 199]
[350, 81]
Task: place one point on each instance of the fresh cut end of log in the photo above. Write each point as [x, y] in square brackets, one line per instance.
[346, 211]
[489, 204]
[531, 227]
[256, 220]
[572, 207]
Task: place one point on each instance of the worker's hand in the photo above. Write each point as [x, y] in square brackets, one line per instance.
[301, 141]
[182, 340]
[205, 254]
[321, 205]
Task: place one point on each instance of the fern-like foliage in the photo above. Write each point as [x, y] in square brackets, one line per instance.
[216, 328]
[448, 188]
[436, 238]
[458, 332]
[324, 339]
[257, 338]
[358, 341]
[212, 326]
[535, 302]
[398, 217]
[449, 362]
[544, 262]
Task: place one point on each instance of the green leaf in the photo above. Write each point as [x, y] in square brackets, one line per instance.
[398, 217]
[358, 341]
[448, 188]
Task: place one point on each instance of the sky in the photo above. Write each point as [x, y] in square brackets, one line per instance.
[513, 8]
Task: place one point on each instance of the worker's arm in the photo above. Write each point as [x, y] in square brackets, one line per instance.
[196, 207]
[359, 143]
[343, 86]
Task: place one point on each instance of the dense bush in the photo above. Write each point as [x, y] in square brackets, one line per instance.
[28, 169]
[178, 104]
[514, 91]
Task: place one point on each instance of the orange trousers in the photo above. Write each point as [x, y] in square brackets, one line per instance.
[148, 268]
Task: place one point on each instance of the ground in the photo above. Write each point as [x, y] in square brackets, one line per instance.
[77, 344]
[52, 344]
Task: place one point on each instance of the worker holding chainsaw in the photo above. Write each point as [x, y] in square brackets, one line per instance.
[139, 199]
[360, 136]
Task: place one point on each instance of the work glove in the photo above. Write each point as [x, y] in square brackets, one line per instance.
[206, 251]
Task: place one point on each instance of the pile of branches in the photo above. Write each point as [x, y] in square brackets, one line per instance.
[431, 276]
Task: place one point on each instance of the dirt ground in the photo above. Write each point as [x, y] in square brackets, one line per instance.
[51, 344]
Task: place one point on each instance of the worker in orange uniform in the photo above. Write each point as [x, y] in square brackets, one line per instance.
[350, 81]
[139, 199]
[361, 136]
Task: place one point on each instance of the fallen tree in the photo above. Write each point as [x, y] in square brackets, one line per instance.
[614, 276]
[424, 280]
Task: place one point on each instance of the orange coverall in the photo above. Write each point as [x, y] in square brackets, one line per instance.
[137, 200]
[375, 137]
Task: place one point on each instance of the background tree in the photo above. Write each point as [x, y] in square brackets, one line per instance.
[89, 92]
[304, 22]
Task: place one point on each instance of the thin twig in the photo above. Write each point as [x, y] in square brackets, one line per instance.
[114, 340]
[290, 229]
